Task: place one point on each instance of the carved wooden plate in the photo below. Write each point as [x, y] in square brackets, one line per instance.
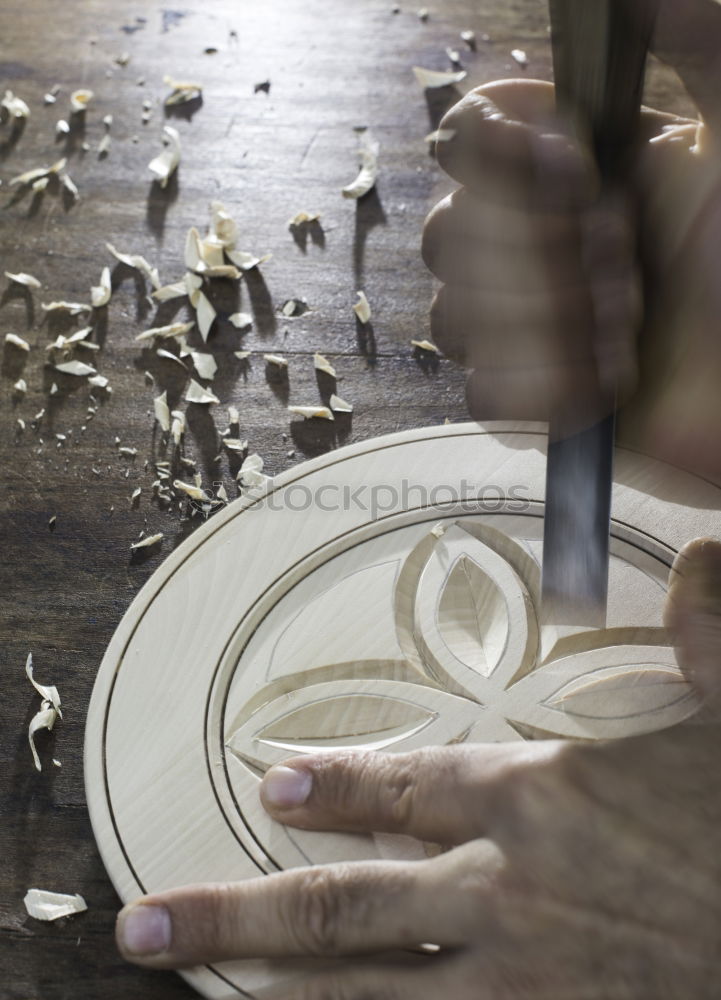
[385, 595]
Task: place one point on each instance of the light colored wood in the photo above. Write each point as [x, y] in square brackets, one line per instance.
[285, 627]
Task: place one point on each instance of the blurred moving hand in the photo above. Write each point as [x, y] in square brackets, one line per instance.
[554, 296]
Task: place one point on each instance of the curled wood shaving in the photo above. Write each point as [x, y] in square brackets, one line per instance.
[21, 385]
[44, 719]
[12, 338]
[276, 359]
[247, 261]
[222, 494]
[75, 368]
[74, 308]
[162, 411]
[303, 218]
[322, 364]
[368, 148]
[99, 381]
[233, 415]
[138, 262]
[104, 145]
[128, 452]
[222, 225]
[235, 444]
[145, 543]
[191, 490]
[165, 163]
[32, 175]
[69, 184]
[43, 905]
[425, 345]
[469, 37]
[241, 355]
[48, 693]
[339, 405]
[250, 471]
[165, 332]
[62, 127]
[170, 357]
[520, 57]
[312, 411]
[79, 99]
[240, 320]
[294, 307]
[39, 185]
[362, 308]
[195, 393]
[181, 91]
[23, 279]
[15, 106]
[429, 79]
[100, 294]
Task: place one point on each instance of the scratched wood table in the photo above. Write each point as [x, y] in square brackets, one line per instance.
[267, 152]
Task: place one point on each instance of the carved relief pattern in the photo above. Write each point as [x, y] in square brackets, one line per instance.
[477, 666]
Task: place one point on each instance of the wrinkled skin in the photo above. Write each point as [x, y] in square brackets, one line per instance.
[571, 870]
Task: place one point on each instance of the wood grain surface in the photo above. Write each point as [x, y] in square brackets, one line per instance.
[332, 65]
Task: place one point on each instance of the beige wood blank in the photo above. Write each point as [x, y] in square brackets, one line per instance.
[383, 596]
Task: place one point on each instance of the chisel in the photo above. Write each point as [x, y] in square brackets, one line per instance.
[599, 56]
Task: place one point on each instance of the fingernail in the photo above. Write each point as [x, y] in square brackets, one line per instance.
[145, 930]
[286, 787]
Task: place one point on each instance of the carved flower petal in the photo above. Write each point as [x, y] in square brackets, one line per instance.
[604, 693]
[345, 714]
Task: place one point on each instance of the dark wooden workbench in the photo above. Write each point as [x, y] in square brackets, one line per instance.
[332, 65]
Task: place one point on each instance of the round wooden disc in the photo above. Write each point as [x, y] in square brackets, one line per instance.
[383, 596]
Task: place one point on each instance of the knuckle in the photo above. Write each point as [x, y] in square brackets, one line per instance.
[320, 909]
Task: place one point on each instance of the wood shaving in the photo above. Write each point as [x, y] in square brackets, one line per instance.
[51, 525]
[303, 218]
[170, 357]
[250, 471]
[520, 57]
[193, 284]
[312, 411]
[440, 135]
[177, 428]
[235, 444]
[454, 56]
[241, 355]
[40, 185]
[423, 14]
[222, 494]
[205, 364]
[100, 294]
[425, 345]
[108, 121]
[74, 308]
[165, 332]
[247, 261]
[294, 307]
[339, 405]
[362, 308]
[44, 719]
[23, 279]
[12, 338]
[135, 494]
[43, 905]
[138, 262]
[241, 320]
[48, 693]
[104, 145]
[276, 359]
[233, 415]
[368, 148]
[79, 99]
[429, 79]
[69, 185]
[99, 381]
[469, 37]
[181, 91]
[205, 315]
[49, 99]
[21, 385]
[128, 452]
[162, 411]
[168, 292]
[195, 393]
[222, 225]
[75, 368]
[20, 424]
[166, 163]
[322, 364]
[32, 175]
[15, 106]
[190, 490]
[145, 543]
[62, 127]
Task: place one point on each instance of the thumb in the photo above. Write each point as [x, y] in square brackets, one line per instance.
[693, 616]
